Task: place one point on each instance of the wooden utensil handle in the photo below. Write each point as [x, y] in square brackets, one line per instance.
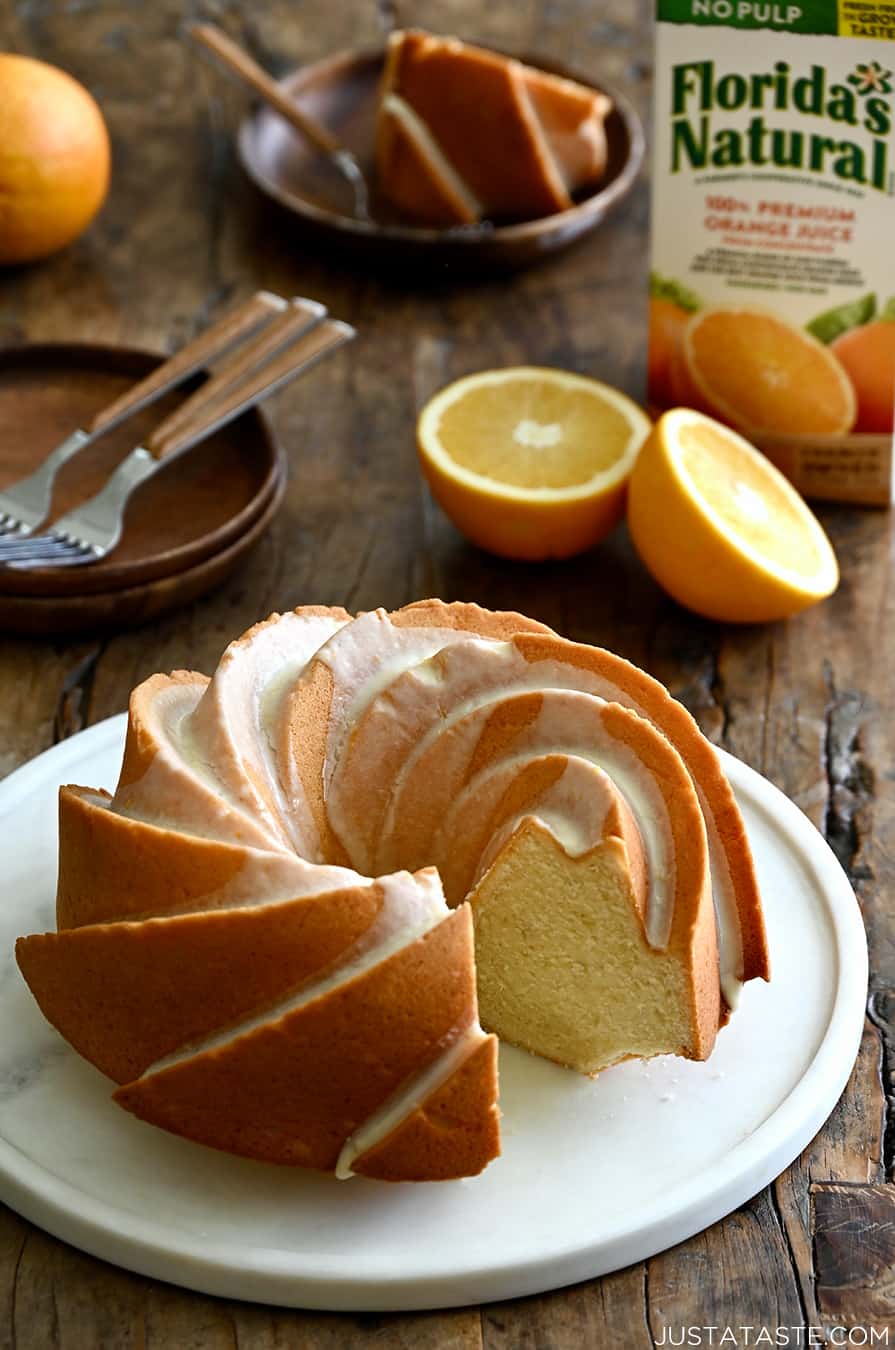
[300, 316]
[242, 64]
[210, 343]
[277, 373]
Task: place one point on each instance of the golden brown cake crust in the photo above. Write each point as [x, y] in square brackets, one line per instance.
[294, 1090]
[301, 751]
[112, 867]
[498, 624]
[127, 994]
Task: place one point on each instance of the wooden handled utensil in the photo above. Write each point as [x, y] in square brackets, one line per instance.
[25, 504]
[294, 342]
[238, 60]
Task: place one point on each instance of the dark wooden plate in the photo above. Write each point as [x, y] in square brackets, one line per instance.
[192, 510]
[64, 615]
[341, 92]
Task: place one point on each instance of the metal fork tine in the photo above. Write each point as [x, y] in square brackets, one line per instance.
[35, 540]
[60, 555]
[33, 555]
[39, 546]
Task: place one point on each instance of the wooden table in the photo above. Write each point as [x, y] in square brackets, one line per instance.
[810, 703]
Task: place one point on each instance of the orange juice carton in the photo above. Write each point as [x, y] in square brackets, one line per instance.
[772, 302]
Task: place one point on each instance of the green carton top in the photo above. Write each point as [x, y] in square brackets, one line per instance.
[843, 18]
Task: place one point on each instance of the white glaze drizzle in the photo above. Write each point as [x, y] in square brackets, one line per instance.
[557, 729]
[233, 724]
[408, 1098]
[364, 658]
[727, 919]
[572, 813]
[398, 108]
[558, 809]
[465, 678]
[180, 787]
[411, 907]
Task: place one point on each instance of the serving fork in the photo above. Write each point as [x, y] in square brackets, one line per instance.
[290, 344]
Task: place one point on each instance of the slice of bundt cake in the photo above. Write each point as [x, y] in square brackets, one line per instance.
[464, 133]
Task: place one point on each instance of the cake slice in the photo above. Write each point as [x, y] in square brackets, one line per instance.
[573, 120]
[464, 133]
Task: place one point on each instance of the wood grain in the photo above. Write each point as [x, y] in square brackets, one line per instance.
[854, 1244]
[810, 703]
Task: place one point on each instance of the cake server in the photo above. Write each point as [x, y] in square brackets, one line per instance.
[94, 528]
[25, 504]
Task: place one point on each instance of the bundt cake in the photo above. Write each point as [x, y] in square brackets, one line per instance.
[253, 941]
[464, 133]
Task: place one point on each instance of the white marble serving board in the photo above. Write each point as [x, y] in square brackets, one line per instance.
[594, 1174]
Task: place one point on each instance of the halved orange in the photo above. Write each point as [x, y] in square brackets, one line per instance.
[750, 368]
[719, 526]
[531, 462]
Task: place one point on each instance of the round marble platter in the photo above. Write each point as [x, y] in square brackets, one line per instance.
[594, 1174]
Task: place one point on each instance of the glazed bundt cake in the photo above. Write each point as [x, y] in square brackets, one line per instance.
[463, 133]
[253, 941]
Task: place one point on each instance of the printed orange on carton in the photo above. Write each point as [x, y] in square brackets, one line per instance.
[772, 301]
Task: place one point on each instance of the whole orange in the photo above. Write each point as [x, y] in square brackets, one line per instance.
[868, 354]
[54, 159]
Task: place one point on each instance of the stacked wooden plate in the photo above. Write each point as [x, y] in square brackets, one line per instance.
[185, 529]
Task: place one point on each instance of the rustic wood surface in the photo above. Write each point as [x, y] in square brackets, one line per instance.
[810, 703]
